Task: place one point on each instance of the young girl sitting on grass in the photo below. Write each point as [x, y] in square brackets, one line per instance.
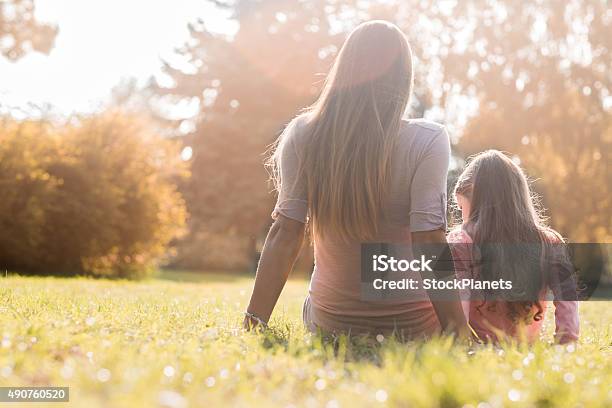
[503, 236]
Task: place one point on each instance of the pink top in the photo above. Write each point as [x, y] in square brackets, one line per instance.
[490, 320]
[417, 202]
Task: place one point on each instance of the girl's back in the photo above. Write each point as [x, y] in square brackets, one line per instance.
[503, 227]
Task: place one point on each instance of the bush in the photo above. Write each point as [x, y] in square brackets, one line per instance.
[96, 196]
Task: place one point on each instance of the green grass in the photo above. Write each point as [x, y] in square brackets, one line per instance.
[178, 344]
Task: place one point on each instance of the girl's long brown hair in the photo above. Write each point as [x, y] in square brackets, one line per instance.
[505, 222]
[352, 129]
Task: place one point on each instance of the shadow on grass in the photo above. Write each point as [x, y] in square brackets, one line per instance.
[175, 275]
[178, 275]
[357, 348]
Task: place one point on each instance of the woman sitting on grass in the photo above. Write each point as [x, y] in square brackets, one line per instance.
[504, 235]
[352, 169]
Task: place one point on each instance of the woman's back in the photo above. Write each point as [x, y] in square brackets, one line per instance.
[416, 201]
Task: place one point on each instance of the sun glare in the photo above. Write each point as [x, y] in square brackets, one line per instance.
[99, 44]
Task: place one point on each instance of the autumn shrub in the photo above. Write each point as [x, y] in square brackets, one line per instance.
[94, 196]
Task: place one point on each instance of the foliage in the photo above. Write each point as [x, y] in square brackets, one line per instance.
[540, 75]
[248, 86]
[96, 196]
[20, 32]
[530, 79]
[174, 344]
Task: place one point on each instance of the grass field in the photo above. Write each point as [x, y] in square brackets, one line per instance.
[178, 344]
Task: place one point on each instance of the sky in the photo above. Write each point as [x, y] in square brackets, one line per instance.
[100, 42]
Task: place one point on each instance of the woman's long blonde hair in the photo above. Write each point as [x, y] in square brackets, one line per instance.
[352, 129]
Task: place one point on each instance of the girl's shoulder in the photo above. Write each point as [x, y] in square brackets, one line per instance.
[458, 236]
[551, 236]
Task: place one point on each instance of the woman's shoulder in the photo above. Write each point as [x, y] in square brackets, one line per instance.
[302, 119]
[297, 123]
[425, 133]
[293, 133]
[423, 124]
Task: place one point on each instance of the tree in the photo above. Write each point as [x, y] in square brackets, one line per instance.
[248, 87]
[540, 76]
[529, 78]
[20, 32]
[94, 196]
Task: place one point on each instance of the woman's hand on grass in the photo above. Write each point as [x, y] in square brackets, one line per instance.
[251, 322]
[280, 251]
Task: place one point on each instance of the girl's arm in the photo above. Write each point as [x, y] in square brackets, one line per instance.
[566, 321]
[460, 244]
[563, 285]
[280, 251]
[449, 311]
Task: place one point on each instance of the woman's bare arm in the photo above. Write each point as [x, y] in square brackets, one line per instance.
[280, 251]
[448, 310]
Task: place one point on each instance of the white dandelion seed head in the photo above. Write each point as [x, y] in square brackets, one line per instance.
[381, 395]
[171, 399]
[67, 371]
[6, 371]
[517, 375]
[169, 371]
[320, 384]
[103, 375]
[332, 404]
[514, 395]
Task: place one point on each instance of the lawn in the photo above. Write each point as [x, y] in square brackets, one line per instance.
[179, 343]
